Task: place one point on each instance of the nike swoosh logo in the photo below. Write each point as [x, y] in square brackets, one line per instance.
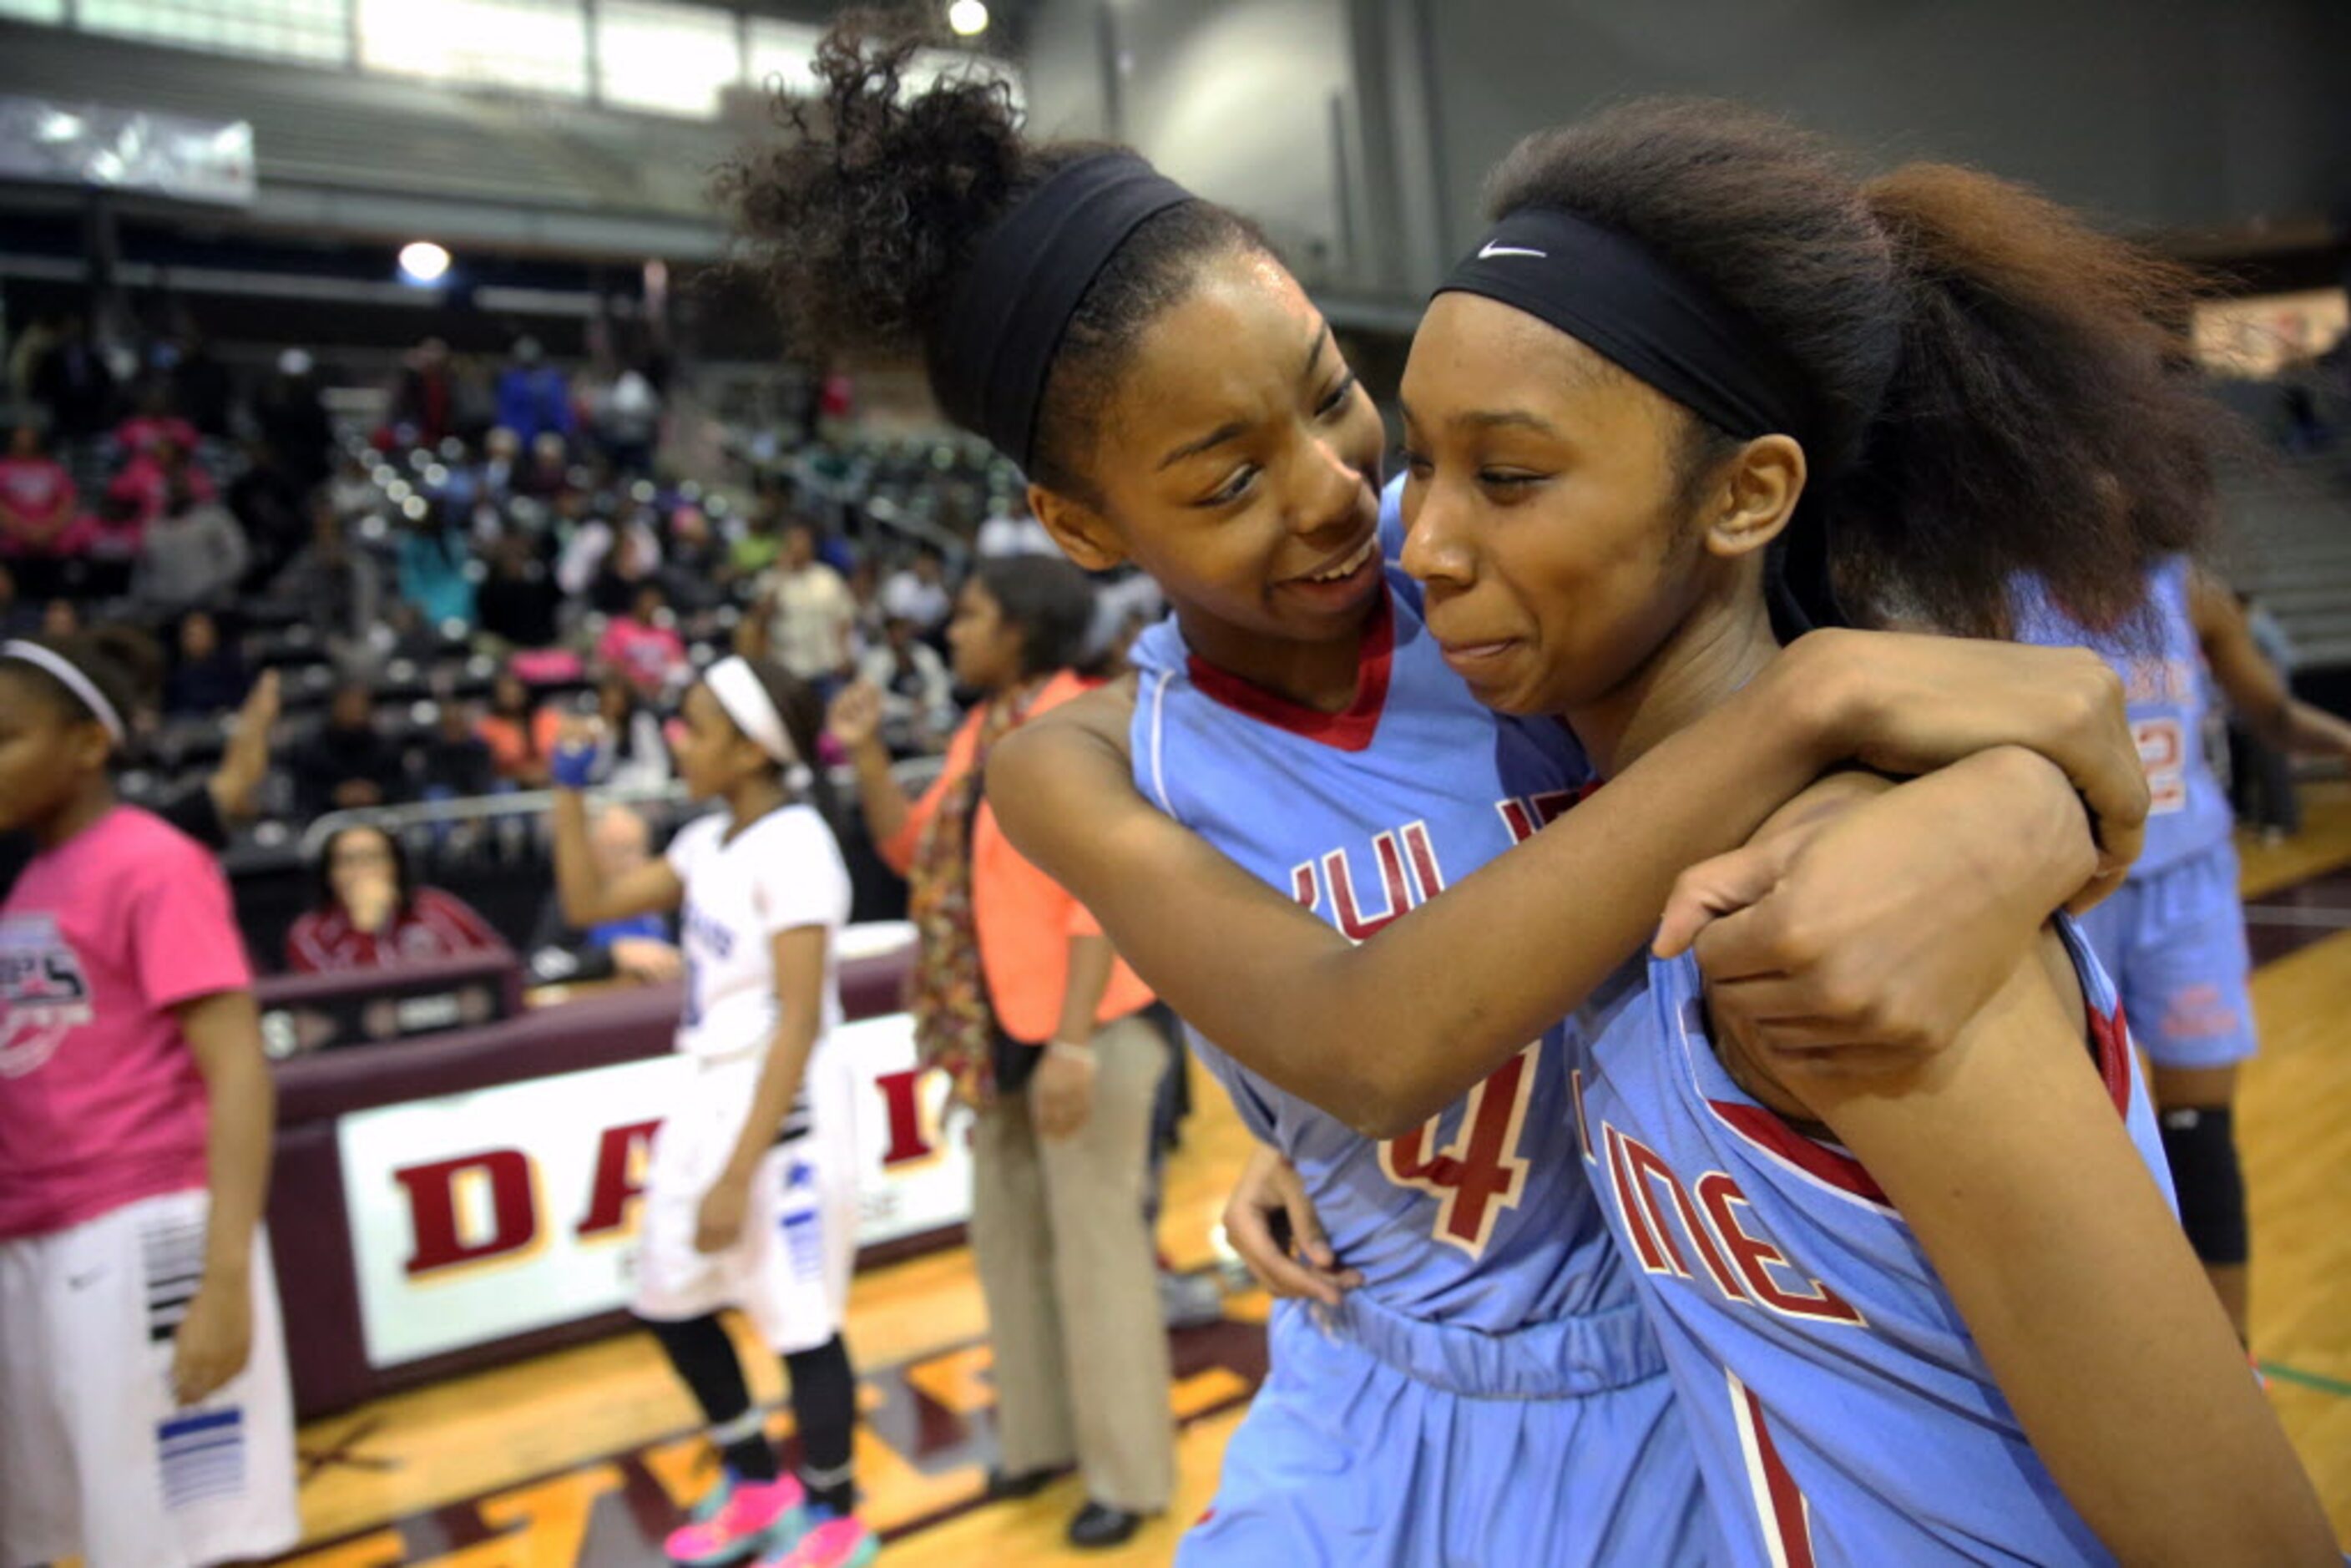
[84, 1281]
[1490, 248]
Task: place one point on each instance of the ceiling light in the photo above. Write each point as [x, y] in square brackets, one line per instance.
[967, 18]
[422, 261]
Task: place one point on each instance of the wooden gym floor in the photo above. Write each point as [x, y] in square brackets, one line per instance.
[579, 1459]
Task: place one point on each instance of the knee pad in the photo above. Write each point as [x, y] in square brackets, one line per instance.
[2199, 1143]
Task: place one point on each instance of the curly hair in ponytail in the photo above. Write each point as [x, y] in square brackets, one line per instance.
[863, 217]
[2000, 387]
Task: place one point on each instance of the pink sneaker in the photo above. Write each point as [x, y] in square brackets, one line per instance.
[753, 1517]
[835, 1543]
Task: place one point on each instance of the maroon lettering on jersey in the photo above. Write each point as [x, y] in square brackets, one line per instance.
[1744, 1265]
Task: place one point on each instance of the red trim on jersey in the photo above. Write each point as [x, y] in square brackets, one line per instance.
[1761, 1127]
[2110, 1032]
[1351, 728]
[1788, 1520]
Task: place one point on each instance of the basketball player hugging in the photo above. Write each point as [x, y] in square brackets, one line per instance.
[751, 1199]
[145, 1419]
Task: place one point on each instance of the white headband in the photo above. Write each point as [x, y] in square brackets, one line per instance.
[747, 702]
[72, 679]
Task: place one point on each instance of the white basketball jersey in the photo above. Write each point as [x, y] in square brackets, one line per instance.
[783, 872]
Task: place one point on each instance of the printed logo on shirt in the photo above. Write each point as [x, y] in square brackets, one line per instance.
[44, 993]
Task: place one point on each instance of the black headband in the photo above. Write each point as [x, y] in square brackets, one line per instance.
[1604, 289]
[1032, 270]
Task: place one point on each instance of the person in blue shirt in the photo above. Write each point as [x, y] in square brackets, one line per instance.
[2173, 937]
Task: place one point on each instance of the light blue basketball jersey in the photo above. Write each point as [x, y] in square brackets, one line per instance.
[2165, 679]
[1841, 1413]
[1483, 1217]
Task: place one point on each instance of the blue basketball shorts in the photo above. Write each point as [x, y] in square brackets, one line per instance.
[2174, 941]
[1381, 1441]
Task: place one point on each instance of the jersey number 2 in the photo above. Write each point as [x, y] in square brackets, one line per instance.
[1481, 1173]
[2163, 752]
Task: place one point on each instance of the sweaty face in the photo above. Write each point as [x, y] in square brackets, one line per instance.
[1541, 508]
[1238, 463]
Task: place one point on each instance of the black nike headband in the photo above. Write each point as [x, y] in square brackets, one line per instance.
[1608, 292]
[1031, 273]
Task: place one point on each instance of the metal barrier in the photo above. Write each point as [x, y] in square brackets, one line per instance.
[914, 775]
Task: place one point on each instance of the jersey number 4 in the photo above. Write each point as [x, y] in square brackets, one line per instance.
[1481, 1171]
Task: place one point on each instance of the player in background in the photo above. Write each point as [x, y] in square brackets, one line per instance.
[2173, 936]
[1935, 1316]
[750, 1198]
[1227, 448]
[145, 1418]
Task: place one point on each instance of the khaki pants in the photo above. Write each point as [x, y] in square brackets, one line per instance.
[1071, 1281]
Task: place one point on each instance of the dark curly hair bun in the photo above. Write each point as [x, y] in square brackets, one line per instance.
[862, 217]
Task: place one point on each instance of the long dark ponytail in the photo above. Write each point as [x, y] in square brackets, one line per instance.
[1999, 389]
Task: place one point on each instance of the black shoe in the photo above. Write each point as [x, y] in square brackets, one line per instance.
[1098, 1524]
[1028, 1483]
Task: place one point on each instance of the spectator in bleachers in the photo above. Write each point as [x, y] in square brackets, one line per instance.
[582, 570]
[534, 397]
[695, 568]
[74, 383]
[423, 409]
[864, 581]
[918, 711]
[350, 491]
[501, 465]
[292, 417]
[519, 748]
[755, 550]
[642, 645]
[548, 472]
[810, 615]
[631, 560]
[350, 762]
[918, 593]
[328, 585]
[153, 421]
[640, 948]
[432, 555]
[453, 760]
[61, 618]
[372, 914]
[627, 413]
[160, 475]
[518, 601]
[190, 552]
[40, 514]
[207, 673]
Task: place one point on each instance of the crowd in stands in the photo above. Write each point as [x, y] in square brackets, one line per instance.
[442, 590]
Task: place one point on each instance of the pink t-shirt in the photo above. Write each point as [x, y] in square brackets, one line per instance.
[648, 655]
[100, 1102]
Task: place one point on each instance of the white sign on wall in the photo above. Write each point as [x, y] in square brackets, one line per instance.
[476, 1217]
